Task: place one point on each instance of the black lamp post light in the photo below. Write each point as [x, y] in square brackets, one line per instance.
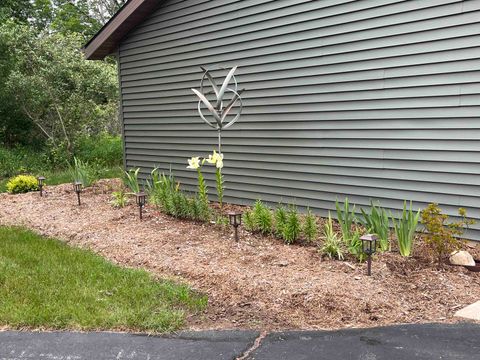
[369, 247]
[77, 186]
[235, 218]
[41, 182]
[141, 200]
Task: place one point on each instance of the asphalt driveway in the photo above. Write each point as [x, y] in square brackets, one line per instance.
[428, 341]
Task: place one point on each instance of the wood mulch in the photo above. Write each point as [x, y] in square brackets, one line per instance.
[256, 283]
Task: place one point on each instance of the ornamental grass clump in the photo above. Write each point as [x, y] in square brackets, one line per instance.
[81, 172]
[377, 222]
[443, 237]
[22, 184]
[332, 245]
[405, 229]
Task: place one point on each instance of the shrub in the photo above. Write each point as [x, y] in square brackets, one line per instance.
[405, 228]
[120, 199]
[442, 237]
[22, 184]
[280, 220]
[346, 218]
[292, 228]
[310, 228]
[103, 149]
[81, 172]
[332, 246]
[262, 217]
[130, 180]
[377, 222]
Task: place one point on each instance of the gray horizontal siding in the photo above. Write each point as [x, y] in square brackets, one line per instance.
[367, 99]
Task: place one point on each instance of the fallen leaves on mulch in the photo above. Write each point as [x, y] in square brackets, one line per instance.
[255, 283]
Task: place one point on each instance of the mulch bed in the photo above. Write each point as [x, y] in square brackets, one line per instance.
[256, 283]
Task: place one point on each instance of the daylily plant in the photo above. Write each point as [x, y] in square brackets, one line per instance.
[196, 164]
[217, 160]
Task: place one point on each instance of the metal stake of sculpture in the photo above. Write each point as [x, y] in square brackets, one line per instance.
[218, 110]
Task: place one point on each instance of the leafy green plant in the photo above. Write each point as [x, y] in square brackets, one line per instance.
[355, 247]
[405, 228]
[291, 230]
[310, 227]
[195, 164]
[263, 218]
[119, 199]
[22, 184]
[81, 172]
[377, 222]
[443, 237]
[280, 216]
[249, 221]
[130, 179]
[346, 218]
[332, 246]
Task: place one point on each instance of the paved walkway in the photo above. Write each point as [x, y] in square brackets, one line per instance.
[397, 342]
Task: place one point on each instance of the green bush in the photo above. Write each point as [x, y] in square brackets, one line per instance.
[102, 149]
[22, 184]
[442, 237]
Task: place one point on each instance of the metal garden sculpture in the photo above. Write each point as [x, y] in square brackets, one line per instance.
[221, 107]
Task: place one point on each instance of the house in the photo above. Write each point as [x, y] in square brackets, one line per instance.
[372, 99]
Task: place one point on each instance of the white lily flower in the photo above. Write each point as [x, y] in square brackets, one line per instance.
[194, 163]
[219, 163]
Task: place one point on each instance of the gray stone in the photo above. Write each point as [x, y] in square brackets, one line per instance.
[471, 312]
[462, 258]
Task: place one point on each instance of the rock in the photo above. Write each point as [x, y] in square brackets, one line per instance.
[462, 258]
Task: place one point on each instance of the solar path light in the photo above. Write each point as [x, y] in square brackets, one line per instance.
[369, 247]
[41, 182]
[235, 218]
[141, 199]
[77, 186]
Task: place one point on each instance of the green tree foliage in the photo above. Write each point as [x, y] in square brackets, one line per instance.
[52, 84]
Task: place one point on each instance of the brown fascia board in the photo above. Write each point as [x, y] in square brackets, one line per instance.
[131, 14]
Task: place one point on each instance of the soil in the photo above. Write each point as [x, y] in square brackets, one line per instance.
[258, 282]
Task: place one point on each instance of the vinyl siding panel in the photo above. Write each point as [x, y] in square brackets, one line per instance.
[367, 99]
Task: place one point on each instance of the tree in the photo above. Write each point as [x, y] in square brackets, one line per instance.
[63, 94]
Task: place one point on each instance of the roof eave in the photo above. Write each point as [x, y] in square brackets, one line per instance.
[106, 41]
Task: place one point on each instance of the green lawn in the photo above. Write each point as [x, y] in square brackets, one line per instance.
[47, 284]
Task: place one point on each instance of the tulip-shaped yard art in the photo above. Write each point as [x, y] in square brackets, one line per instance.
[220, 108]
